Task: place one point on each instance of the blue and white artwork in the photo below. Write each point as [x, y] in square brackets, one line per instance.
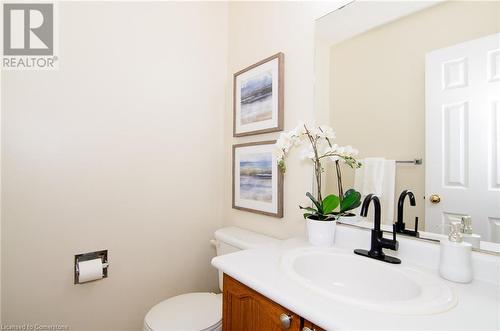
[256, 177]
[256, 98]
[257, 182]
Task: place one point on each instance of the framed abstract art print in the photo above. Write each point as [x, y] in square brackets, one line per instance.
[258, 97]
[257, 181]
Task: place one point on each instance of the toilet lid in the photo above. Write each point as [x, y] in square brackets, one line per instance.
[186, 312]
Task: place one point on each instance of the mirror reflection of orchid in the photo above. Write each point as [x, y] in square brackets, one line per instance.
[318, 147]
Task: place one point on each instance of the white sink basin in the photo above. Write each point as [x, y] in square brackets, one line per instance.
[368, 283]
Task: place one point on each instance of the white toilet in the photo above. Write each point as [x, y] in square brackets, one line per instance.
[202, 311]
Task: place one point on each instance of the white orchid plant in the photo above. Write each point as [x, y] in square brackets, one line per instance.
[319, 148]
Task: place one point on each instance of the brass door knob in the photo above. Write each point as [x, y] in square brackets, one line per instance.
[435, 199]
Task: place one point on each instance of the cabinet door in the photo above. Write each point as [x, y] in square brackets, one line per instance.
[246, 310]
[308, 326]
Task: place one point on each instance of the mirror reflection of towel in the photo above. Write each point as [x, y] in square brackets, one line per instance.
[378, 176]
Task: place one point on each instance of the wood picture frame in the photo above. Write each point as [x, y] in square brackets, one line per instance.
[257, 181]
[258, 97]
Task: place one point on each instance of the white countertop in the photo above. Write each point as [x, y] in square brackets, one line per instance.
[478, 305]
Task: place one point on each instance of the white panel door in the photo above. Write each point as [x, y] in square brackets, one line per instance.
[463, 136]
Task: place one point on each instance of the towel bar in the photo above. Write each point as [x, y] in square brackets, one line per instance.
[414, 161]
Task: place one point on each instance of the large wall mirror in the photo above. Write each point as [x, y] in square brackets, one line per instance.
[415, 87]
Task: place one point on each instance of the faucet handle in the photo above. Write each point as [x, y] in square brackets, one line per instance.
[394, 232]
[416, 224]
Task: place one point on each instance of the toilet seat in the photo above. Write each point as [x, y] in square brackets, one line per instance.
[186, 312]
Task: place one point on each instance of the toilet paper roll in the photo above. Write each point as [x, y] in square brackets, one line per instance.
[90, 270]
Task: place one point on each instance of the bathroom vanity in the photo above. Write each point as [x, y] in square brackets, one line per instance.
[330, 288]
[246, 309]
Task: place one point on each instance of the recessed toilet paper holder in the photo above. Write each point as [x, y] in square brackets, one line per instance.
[103, 255]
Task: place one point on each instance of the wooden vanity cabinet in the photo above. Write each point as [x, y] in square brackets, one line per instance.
[308, 326]
[247, 310]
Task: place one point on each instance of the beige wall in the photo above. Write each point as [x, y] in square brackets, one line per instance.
[377, 85]
[256, 31]
[119, 149]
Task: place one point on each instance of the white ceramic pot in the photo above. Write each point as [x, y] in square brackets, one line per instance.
[321, 233]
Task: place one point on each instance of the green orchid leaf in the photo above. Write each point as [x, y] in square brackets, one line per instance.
[330, 203]
[309, 209]
[316, 203]
[355, 205]
[352, 199]
[349, 192]
[306, 215]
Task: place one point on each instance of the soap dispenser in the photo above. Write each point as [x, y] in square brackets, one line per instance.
[455, 262]
[471, 238]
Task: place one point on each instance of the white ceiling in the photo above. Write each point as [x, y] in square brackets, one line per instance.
[360, 16]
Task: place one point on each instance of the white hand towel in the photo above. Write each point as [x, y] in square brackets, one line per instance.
[388, 188]
[373, 175]
[378, 176]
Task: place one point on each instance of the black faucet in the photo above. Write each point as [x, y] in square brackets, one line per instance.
[378, 241]
[400, 224]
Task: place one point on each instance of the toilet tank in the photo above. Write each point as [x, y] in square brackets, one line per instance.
[233, 239]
